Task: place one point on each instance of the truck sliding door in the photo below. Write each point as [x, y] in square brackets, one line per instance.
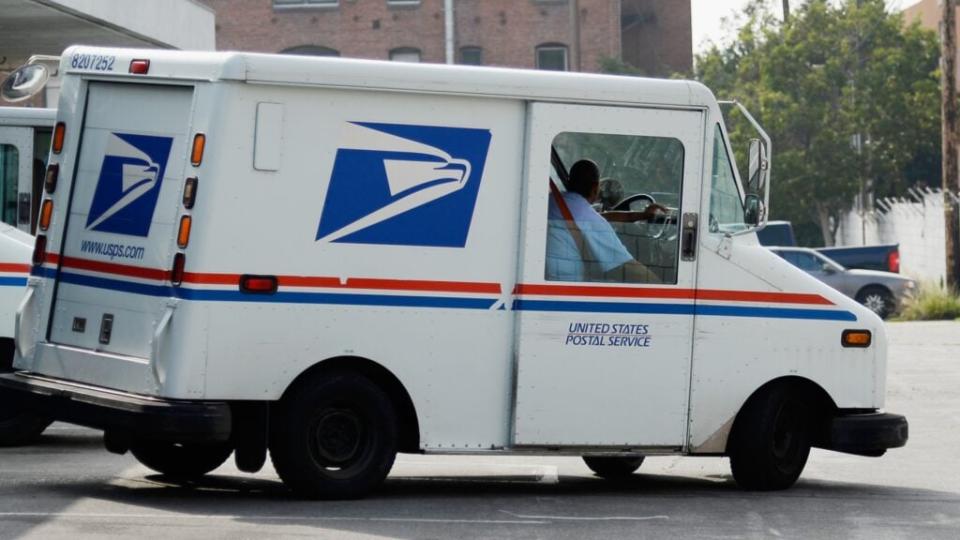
[605, 322]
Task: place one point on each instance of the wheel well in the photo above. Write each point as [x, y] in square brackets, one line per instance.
[6, 354]
[409, 427]
[817, 399]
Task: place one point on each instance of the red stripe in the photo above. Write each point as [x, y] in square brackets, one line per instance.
[661, 292]
[423, 285]
[286, 281]
[13, 267]
[119, 269]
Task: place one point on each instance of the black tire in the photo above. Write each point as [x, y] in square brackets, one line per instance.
[181, 460]
[770, 441]
[17, 427]
[334, 436]
[877, 299]
[613, 468]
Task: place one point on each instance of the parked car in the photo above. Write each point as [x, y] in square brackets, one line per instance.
[884, 257]
[881, 292]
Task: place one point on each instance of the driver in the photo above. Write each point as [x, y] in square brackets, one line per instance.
[600, 243]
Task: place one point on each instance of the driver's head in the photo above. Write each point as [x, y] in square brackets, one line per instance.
[585, 179]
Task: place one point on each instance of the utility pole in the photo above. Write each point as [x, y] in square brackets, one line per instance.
[786, 10]
[948, 75]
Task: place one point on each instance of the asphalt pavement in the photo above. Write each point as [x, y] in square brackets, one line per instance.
[67, 486]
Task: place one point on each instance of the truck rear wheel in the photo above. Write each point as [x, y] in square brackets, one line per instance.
[18, 427]
[613, 468]
[181, 460]
[770, 441]
[334, 437]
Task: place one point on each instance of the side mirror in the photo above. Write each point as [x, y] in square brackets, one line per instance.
[24, 82]
[753, 210]
[828, 269]
[759, 166]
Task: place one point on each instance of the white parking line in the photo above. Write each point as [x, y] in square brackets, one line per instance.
[237, 517]
[586, 518]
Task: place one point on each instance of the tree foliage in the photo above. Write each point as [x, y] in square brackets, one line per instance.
[836, 72]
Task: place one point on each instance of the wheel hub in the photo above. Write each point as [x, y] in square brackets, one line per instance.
[338, 436]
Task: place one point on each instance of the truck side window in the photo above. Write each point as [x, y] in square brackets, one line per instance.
[626, 232]
[9, 173]
[726, 205]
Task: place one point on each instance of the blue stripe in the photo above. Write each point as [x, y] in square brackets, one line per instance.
[684, 309]
[350, 299]
[42, 271]
[13, 282]
[212, 295]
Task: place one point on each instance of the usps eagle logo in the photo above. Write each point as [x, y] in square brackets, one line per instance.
[404, 184]
[129, 184]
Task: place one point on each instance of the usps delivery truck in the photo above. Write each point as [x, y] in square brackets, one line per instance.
[24, 146]
[331, 261]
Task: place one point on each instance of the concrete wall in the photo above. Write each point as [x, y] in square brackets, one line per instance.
[178, 24]
[917, 225]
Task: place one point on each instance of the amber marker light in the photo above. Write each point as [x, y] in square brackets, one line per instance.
[856, 338]
[196, 155]
[183, 235]
[59, 133]
[46, 212]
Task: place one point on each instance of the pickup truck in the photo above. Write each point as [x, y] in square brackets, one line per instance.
[885, 257]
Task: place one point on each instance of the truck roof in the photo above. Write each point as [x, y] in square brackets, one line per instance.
[24, 116]
[350, 73]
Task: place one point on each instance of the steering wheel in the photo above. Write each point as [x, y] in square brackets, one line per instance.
[627, 204]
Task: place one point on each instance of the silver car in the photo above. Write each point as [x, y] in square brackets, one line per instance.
[881, 292]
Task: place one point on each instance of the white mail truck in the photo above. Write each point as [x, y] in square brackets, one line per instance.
[330, 261]
[24, 146]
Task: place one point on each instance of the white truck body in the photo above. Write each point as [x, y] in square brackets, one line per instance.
[402, 210]
[24, 146]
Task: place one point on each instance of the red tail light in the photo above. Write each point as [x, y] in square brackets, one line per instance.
[39, 250]
[893, 261]
[53, 172]
[139, 67]
[258, 284]
[176, 273]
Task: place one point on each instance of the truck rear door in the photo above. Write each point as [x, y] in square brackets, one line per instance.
[112, 284]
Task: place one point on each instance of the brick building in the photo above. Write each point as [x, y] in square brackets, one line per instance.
[574, 35]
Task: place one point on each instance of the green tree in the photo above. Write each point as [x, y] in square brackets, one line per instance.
[849, 96]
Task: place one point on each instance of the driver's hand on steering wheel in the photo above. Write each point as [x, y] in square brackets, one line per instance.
[646, 214]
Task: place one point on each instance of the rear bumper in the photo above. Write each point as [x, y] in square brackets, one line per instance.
[130, 414]
[867, 434]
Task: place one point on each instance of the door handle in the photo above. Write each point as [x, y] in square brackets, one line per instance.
[688, 235]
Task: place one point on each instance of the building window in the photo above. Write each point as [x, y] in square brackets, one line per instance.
[471, 56]
[311, 50]
[403, 2]
[405, 54]
[552, 57]
[305, 3]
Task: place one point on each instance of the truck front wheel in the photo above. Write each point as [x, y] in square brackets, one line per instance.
[334, 436]
[770, 441]
[181, 460]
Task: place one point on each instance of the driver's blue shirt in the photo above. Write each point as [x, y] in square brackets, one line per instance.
[564, 260]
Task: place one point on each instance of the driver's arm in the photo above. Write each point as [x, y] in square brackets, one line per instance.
[647, 214]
